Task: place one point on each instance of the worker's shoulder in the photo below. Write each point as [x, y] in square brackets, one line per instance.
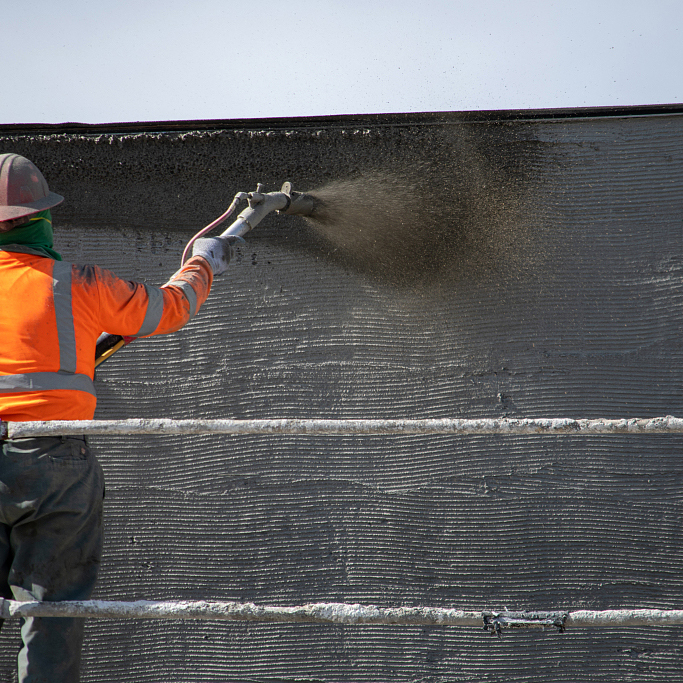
[19, 256]
[21, 252]
[86, 274]
[94, 277]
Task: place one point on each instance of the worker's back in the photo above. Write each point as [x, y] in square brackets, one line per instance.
[46, 359]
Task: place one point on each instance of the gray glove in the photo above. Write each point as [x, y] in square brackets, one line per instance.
[216, 250]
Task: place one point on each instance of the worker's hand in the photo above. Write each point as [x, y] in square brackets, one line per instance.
[216, 250]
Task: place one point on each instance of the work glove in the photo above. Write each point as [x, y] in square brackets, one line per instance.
[216, 250]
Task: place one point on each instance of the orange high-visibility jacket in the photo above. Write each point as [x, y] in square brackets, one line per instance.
[51, 314]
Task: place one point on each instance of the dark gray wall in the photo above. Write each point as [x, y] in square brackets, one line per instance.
[559, 294]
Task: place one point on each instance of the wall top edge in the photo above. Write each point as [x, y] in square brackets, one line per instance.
[341, 120]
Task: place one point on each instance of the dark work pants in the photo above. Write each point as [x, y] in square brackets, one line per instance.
[51, 492]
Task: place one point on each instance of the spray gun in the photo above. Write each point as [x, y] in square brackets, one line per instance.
[260, 205]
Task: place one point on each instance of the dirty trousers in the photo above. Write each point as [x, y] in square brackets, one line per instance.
[51, 492]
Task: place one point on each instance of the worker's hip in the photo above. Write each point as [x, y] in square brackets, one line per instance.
[61, 449]
[38, 472]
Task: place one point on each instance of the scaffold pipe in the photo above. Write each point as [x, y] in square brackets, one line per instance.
[476, 427]
[338, 613]
[333, 613]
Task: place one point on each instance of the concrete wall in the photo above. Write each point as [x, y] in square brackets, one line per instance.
[562, 297]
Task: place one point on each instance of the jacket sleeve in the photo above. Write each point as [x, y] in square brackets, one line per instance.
[138, 310]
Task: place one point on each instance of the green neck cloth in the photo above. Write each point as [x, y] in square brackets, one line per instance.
[36, 233]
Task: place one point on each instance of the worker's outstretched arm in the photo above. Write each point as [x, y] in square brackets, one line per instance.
[130, 310]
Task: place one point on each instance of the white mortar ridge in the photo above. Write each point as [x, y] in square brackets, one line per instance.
[655, 425]
[325, 612]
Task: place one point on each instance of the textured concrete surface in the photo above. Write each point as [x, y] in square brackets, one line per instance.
[562, 299]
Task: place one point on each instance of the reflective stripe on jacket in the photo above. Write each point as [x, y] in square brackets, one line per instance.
[51, 315]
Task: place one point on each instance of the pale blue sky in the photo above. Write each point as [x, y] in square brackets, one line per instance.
[97, 61]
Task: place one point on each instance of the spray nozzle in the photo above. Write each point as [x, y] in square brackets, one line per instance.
[300, 203]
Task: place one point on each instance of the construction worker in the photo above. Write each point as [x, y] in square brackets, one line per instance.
[51, 489]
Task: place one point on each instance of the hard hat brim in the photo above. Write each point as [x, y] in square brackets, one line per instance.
[8, 213]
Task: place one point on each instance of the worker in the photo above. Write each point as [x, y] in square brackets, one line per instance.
[51, 488]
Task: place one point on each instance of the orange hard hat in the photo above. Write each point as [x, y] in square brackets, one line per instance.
[23, 189]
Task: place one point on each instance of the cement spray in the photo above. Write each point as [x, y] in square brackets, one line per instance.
[460, 208]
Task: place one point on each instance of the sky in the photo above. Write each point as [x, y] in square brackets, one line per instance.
[102, 61]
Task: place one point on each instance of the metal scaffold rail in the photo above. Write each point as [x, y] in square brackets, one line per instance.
[339, 613]
[476, 427]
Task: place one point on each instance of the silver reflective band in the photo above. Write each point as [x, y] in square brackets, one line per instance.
[66, 335]
[46, 381]
[189, 293]
[155, 309]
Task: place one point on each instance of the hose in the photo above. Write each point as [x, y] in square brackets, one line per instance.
[223, 217]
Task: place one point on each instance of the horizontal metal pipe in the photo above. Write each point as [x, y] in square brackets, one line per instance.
[626, 617]
[331, 613]
[552, 426]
